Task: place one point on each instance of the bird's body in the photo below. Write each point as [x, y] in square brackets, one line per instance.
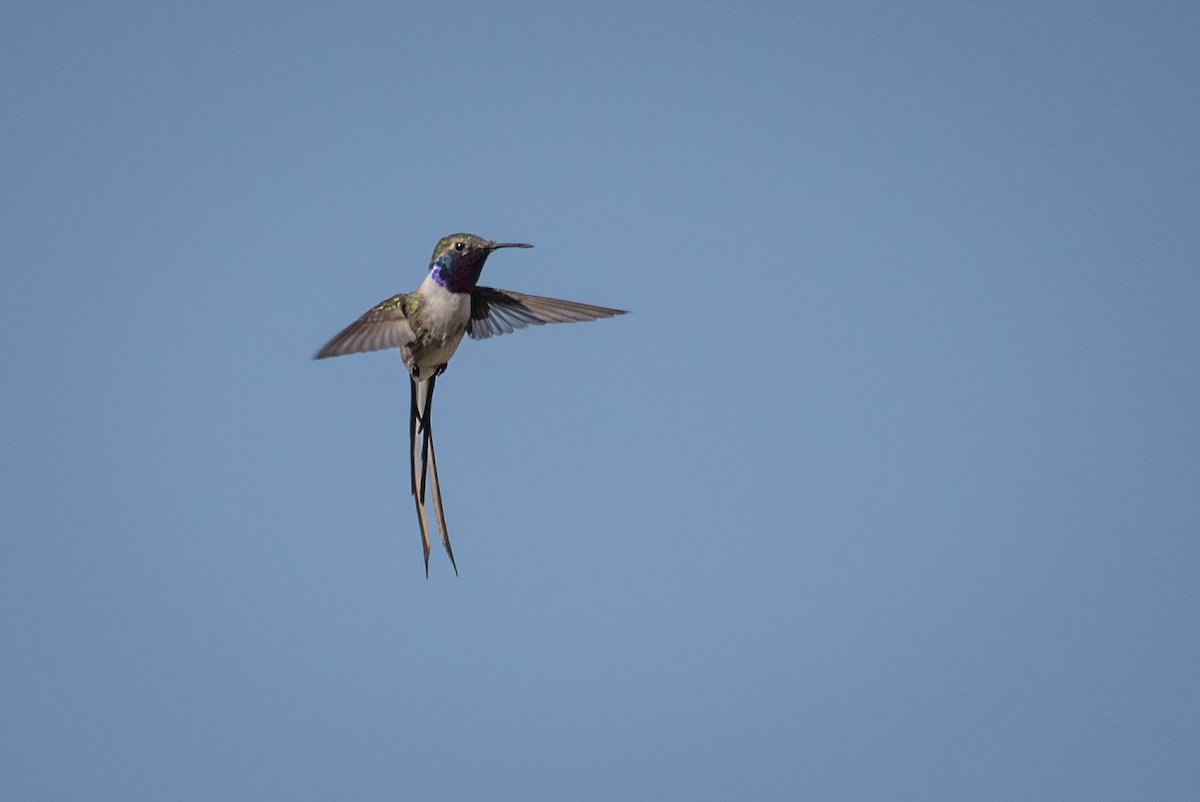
[439, 320]
[427, 326]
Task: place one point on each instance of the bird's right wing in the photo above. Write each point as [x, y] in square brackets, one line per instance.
[502, 311]
[384, 325]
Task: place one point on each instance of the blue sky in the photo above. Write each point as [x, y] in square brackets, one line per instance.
[889, 486]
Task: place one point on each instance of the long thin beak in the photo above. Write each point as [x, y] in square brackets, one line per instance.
[497, 245]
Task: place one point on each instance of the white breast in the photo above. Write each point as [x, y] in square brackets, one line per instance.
[444, 317]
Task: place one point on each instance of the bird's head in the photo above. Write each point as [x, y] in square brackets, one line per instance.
[458, 260]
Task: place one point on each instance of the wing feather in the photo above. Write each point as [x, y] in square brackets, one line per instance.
[495, 312]
[384, 325]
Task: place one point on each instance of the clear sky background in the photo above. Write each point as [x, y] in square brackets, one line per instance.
[889, 486]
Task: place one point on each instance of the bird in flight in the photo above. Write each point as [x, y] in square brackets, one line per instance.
[428, 324]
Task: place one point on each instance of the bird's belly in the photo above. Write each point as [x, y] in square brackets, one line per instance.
[444, 318]
[436, 350]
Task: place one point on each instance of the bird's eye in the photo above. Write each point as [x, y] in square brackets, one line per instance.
[458, 246]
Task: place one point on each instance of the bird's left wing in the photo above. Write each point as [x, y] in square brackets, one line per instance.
[496, 312]
[384, 325]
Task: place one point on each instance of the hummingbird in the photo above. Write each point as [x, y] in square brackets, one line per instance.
[428, 324]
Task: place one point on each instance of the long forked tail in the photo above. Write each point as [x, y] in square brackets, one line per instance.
[424, 467]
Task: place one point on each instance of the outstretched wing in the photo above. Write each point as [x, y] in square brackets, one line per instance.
[502, 311]
[384, 325]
